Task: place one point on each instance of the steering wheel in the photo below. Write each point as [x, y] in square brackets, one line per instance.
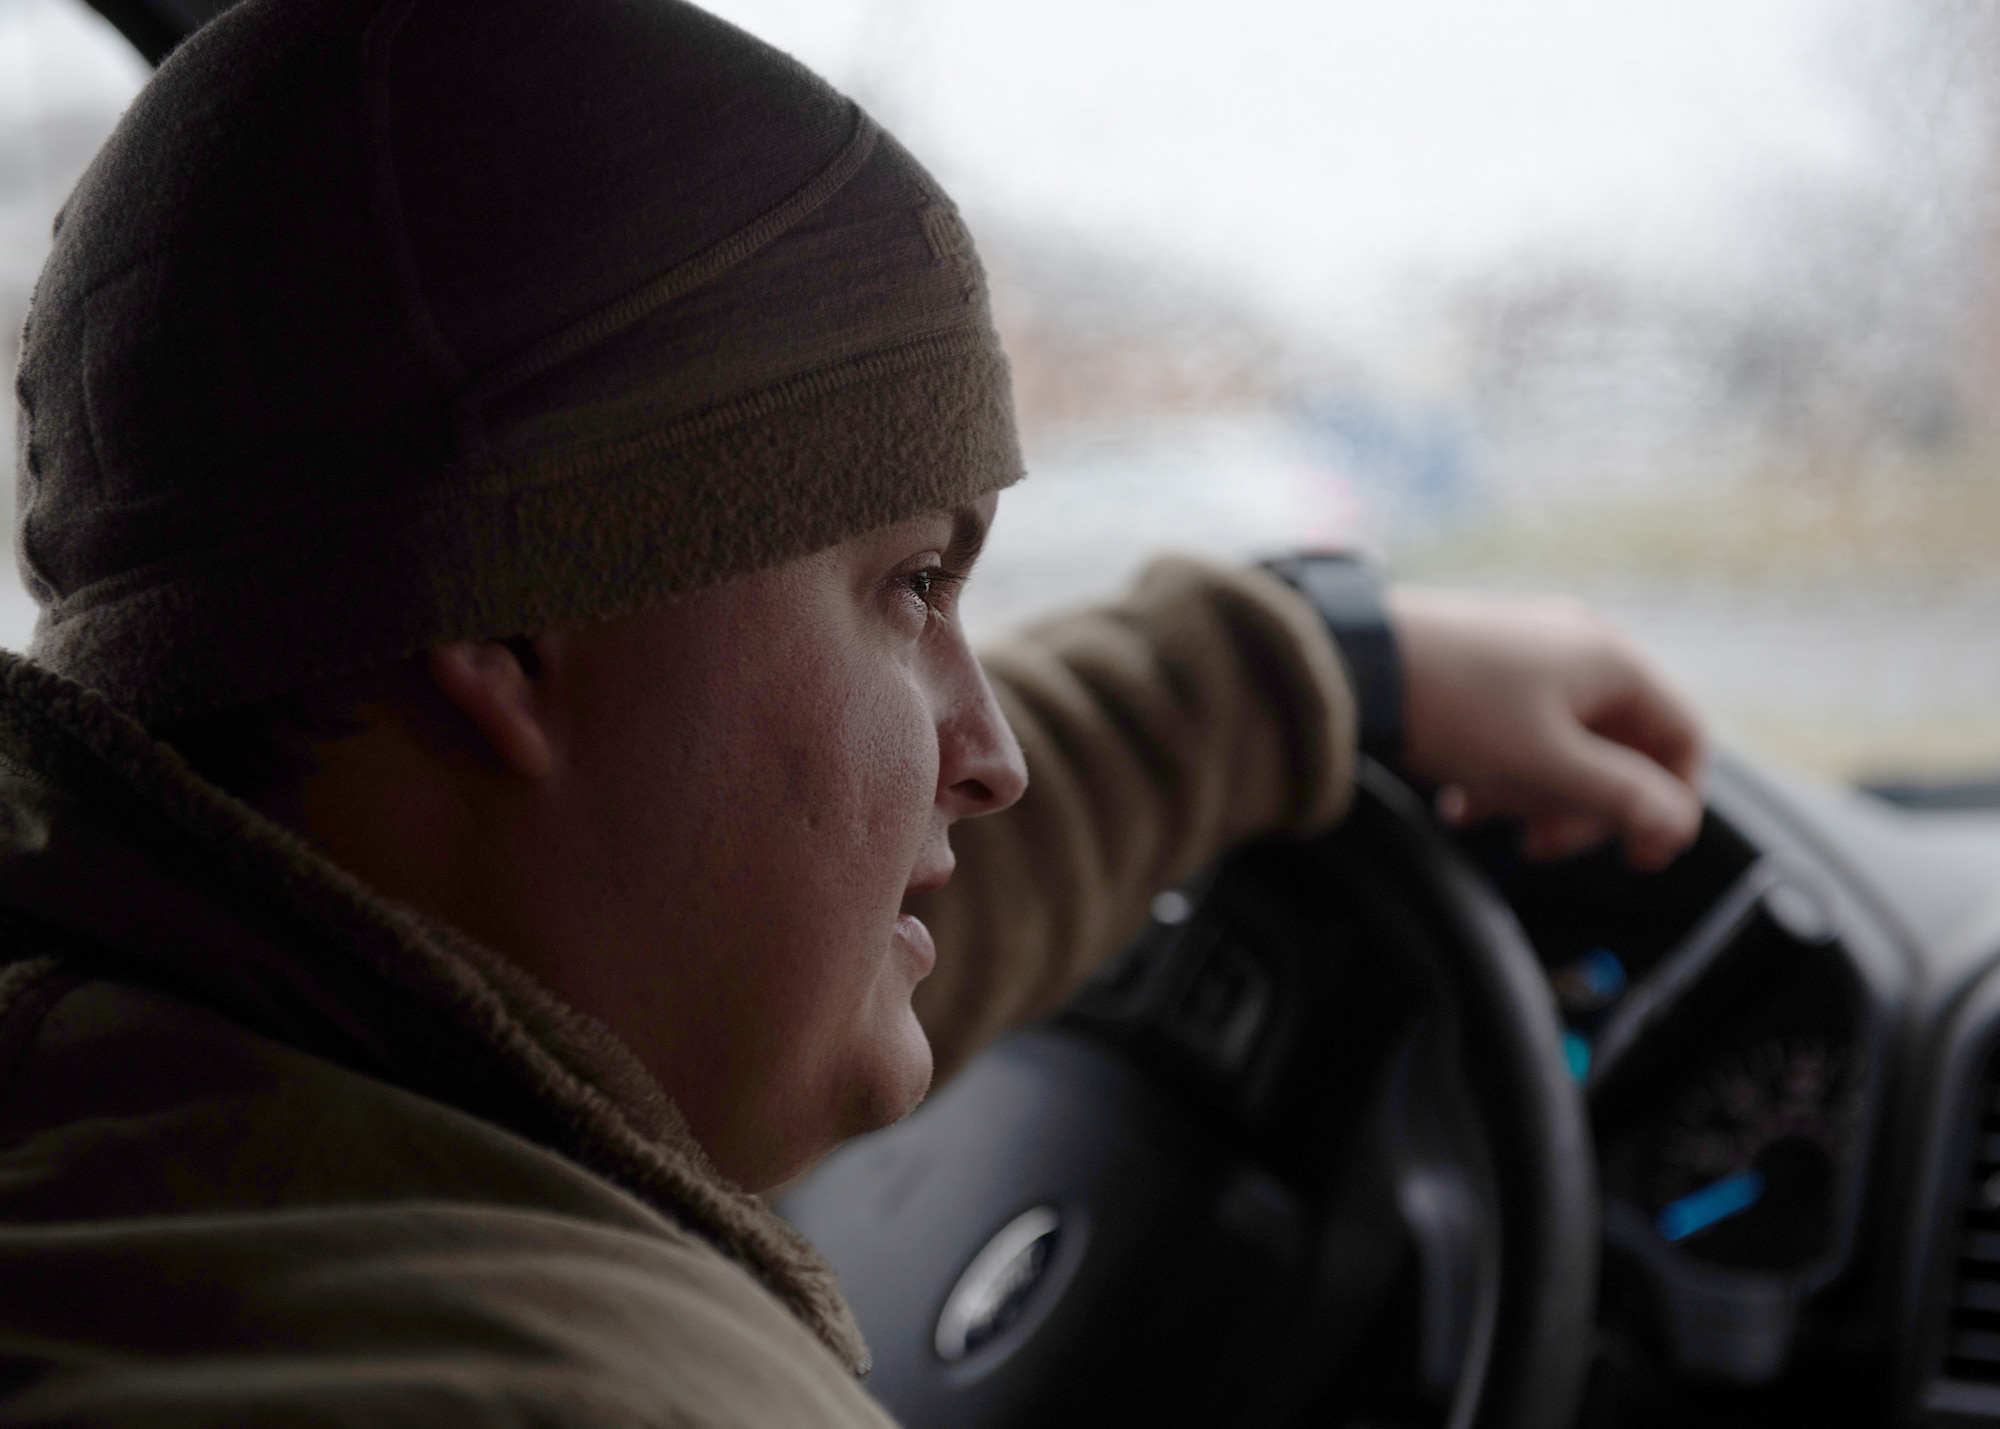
[1308, 1152]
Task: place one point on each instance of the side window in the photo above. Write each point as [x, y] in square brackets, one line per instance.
[65, 77]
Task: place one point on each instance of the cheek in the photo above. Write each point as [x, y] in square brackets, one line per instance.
[861, 764]
[773, 825]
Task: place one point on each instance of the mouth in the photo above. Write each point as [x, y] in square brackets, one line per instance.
[912, 934]
[910, 929]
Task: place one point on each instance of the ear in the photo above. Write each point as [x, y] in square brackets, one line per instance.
[489, 683]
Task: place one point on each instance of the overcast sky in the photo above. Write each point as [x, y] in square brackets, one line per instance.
[1321, 152]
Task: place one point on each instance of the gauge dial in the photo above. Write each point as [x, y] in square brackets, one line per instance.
[1745, 1161]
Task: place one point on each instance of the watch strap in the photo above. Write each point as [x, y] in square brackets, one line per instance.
[1347, 589]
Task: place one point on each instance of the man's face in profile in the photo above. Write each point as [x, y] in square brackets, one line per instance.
[700, 824]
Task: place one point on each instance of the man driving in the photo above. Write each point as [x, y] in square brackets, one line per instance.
[499, 780]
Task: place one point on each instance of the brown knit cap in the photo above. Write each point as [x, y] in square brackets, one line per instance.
[376, 324]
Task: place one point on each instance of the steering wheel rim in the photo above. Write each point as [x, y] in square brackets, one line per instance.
[1537, 1128]
[1054, 1126]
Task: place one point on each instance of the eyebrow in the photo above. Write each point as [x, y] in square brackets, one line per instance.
[968, 538]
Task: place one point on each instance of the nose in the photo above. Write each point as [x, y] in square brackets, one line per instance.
[980, 768]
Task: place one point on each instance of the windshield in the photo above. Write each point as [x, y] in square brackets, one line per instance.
[65, 76]
[1684, 308]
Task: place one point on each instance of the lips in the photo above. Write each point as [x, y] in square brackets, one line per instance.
[911, 932]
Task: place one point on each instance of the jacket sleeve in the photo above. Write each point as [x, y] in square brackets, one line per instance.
[1206, 708]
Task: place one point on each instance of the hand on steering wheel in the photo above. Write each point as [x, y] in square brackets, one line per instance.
[1542, 710]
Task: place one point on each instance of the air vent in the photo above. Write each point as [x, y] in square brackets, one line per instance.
[1972, 1327]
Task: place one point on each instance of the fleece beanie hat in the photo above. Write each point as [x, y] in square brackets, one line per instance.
[382, 322]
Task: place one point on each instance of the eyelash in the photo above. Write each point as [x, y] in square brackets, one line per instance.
[933, 585]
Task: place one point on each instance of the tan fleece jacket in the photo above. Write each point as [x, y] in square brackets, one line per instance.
[275, 1151]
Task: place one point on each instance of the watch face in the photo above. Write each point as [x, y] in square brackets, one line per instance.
[1347, 591]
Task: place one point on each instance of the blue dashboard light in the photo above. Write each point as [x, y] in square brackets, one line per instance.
[1576, 1050]
[1604, 973]
[1717, 1201]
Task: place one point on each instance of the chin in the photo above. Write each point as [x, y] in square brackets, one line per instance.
[901, 1077]
[881, 1079]
[890, 1091]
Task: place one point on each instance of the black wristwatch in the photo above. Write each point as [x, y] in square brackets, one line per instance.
[1346, 588]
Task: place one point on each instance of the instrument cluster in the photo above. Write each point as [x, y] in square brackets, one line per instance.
[1721, 1035]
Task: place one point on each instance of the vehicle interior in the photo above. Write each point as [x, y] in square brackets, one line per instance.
[1396, 1127]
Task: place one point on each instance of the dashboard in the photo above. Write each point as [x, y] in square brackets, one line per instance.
[1789, 1045]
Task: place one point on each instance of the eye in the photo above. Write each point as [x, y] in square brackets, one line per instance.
[933, 587]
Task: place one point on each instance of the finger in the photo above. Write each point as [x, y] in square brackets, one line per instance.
[1554, 828]
[1650, 853]
[1655, 812]
[1552, 838]
[1479, 799]
[1651, 716]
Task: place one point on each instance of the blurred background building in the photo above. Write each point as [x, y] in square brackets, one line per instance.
[1685, 307]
